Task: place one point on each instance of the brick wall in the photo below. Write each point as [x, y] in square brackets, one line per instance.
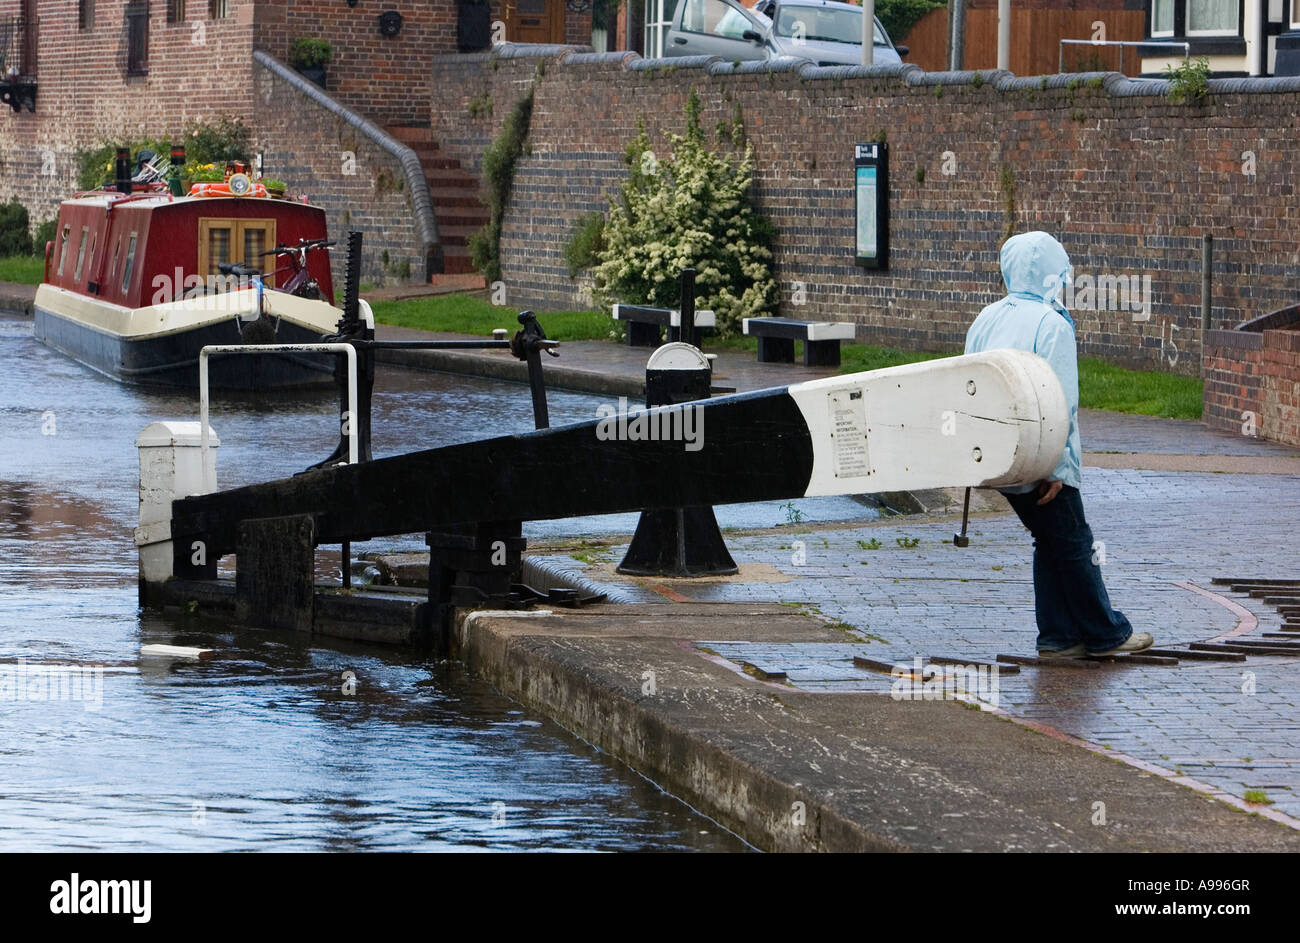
[388, 79]
[1234, 380]
[385, 78]
[463, 81]
[203, 68]
[200, 69]
[1129, 185]
[1280, 414]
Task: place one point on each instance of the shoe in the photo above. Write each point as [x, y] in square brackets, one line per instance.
[1134, 643]
[1074, 651]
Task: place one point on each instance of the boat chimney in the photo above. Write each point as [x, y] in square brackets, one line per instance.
[123, 170]
[177, 169]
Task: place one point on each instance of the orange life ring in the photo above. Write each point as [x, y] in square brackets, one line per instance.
[223, 189]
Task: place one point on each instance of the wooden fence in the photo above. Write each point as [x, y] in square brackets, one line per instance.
[1035, 40]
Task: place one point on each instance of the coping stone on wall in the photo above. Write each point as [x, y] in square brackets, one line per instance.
[623, 58]
[812, 71]
[993, 77]
[675, 62]
[1281, 318]
[1256, 84]
[1116, 84]
[536, 50]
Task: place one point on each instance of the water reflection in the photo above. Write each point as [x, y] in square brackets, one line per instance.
[259, 748]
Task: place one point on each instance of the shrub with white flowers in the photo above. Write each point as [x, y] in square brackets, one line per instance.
[689, 210]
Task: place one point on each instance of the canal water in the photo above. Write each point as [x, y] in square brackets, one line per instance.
[261, 748]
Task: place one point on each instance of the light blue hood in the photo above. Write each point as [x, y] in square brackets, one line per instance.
[1035, 265]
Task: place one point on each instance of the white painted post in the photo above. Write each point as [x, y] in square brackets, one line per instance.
[171, 467]
[868, 31]
[1004, 34]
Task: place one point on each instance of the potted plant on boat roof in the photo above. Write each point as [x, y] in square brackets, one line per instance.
[196, 172]
[310, 56]
[276, 188]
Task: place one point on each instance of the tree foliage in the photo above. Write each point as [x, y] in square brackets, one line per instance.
[691, 210]
[899, 16]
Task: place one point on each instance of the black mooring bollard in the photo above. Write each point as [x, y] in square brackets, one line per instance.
[677, 541]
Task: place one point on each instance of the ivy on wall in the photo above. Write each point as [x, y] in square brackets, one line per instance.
[499, 161]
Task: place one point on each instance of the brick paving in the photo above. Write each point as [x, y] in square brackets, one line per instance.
[1159, 529]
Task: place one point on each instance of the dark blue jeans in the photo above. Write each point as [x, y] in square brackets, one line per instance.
[1070, 599]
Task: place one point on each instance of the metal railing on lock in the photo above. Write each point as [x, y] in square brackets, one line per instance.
[354, 449]
[1060, 63]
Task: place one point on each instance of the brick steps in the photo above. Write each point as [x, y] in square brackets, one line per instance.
[471, 221]
[409, 134]
[450, 178]
[456, 261]
[456, 205]
[459, 281]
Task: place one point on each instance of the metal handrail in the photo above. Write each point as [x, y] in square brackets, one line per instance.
[1121, 43]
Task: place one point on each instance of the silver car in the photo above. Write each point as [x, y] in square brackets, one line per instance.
[823, 31]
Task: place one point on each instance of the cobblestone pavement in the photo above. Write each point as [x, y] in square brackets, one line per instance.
[1117, 432]
[1231, 725]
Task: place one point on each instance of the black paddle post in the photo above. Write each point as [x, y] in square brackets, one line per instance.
[350, 330]
[527, 346]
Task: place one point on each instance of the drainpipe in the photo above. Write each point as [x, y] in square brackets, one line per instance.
[1207, 255]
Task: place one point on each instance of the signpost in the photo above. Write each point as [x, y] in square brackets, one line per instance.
[871, 197]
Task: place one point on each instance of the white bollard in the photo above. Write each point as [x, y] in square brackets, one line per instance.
[171, 467]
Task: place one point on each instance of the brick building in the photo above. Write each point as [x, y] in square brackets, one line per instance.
[81, 73]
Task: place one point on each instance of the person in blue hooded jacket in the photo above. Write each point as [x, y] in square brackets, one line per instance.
[1072, 607]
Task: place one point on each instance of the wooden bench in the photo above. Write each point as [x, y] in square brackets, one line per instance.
[643, 323]
[776, 337]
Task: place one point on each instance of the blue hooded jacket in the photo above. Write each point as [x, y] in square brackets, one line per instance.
[1031, 317]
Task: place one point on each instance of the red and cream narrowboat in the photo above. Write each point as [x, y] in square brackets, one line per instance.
[137, 283]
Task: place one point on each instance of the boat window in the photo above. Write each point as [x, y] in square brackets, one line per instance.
[236, 241]
[81, 255]
[63, 248]
[90, 260]
[254, 243]
[117, 250]
[130, 263]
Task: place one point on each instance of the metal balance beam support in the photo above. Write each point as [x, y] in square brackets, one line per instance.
[682, 541]
[480, 563]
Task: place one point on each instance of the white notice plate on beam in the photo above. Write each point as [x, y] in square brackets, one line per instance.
[849, 433]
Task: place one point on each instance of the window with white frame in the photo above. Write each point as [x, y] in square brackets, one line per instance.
[1162, 17]
[1212, 17]
[658, 17]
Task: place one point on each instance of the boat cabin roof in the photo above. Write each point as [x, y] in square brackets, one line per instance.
[149, 248]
